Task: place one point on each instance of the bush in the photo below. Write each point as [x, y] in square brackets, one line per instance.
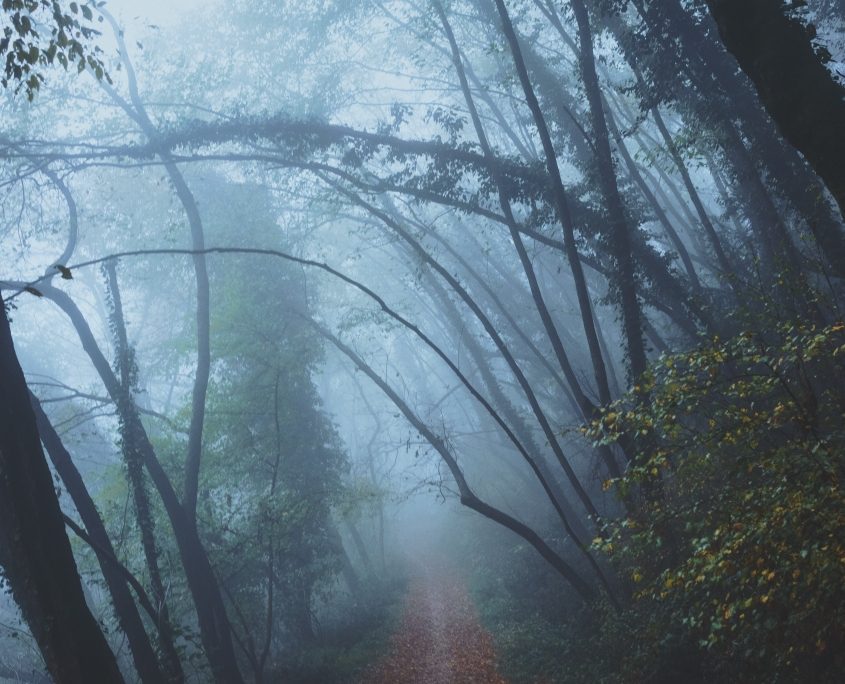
[735, 540]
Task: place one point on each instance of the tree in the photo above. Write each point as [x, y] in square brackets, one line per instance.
[116, 576]
[35, 553]
[776, 51]
[551, 196]
[27, 50]
[746, 533]
[34, 550]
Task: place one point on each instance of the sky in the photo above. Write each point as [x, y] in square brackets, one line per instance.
[160, 12]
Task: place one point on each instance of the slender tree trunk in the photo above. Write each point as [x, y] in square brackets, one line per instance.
[491, 330]
[353, 582]
[620, 229]
[135, 472]
[35, 553]
[360, 547]
[561, 202]
[137, 111]
[143, 654]
[505, 312]
[374, 479]
[668, 228]
[509, 413]
[215, 629]
[692, 191]
[468, 497]
[773, 244]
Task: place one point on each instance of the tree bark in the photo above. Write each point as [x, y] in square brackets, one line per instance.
[797, 90]
[215, 629]
[130, 446]
[143, 654]
[138, 112]
[561, 200]
[627, 284]
[35, 553]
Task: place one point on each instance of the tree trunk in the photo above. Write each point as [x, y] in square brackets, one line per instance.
[797, 90]
[360, 547]
[133, 459]
[35, 553]
[215, 629]
[143, 654]
[468, 498]
[620, 231]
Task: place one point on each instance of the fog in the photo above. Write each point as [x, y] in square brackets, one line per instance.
[470, 341]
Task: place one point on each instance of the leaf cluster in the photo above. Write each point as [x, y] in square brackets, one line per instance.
[41, 33]
[734, 545]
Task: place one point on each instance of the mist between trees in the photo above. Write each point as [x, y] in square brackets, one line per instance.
[524, 318]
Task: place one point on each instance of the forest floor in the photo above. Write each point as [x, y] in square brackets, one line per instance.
[440, 639]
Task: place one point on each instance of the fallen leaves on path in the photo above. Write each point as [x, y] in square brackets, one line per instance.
[440, 640]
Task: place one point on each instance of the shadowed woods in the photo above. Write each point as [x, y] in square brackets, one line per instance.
[304, 298]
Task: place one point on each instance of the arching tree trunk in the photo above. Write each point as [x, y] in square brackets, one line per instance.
[620, 230]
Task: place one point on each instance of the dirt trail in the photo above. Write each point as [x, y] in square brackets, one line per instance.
[440, 640]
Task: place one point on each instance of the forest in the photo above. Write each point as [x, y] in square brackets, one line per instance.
[422, 341]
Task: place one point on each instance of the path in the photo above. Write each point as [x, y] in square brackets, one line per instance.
[440, 640]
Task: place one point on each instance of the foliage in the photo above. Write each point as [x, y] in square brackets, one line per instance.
[40, 33]
[735, 543]
[272, 461]
[353, 637]
[540, 634]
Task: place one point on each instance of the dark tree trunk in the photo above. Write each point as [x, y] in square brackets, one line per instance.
[215, 629]
[659, 212]
[300, 615]
[143, 654]
[203, 312]
[360, 546]
[468, 498]
[350, 576]
[620, 230]
[134, 461]
[799, 93]
[506, 408]
[561, 205]
[787, 169]
[697, 63]
[35, 553]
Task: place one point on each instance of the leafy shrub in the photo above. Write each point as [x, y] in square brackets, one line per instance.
[735, 539]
